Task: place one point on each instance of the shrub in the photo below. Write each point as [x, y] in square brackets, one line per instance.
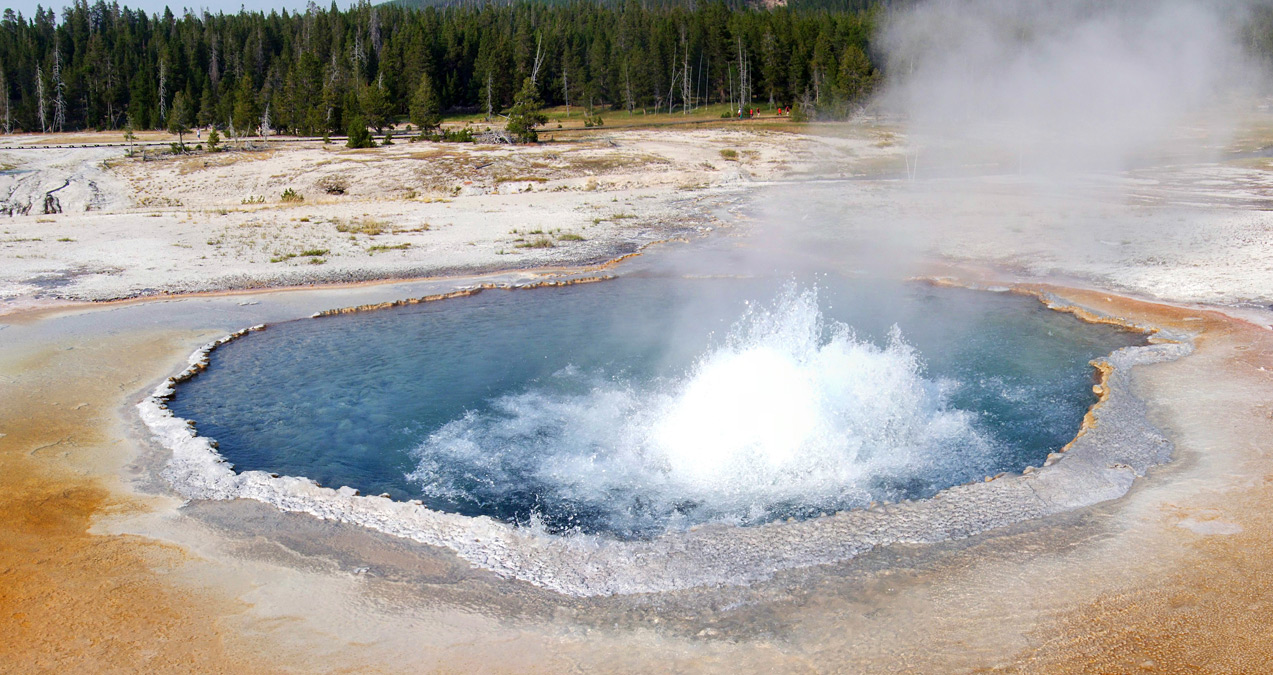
[569, 236]
[290, 195]
[333, 184]
[729, 154]
[462, 136]
[359, 137]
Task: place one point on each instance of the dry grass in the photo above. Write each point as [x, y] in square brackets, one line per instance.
[379, 248]
[200, 162]
[441, 153]
[519, 179]
[368, 226]
[609, 162]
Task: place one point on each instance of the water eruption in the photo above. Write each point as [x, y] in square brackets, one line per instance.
[790, 415]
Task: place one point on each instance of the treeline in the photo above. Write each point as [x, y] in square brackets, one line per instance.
[799, 5]
[105, 67]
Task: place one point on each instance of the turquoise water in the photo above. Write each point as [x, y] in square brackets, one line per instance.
[640, 405]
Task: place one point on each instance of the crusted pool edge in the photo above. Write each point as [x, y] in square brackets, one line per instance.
[1115, 445]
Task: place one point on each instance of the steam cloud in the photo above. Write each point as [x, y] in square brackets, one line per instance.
[1063, 85]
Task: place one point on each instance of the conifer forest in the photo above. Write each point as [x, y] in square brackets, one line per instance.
[103, 66]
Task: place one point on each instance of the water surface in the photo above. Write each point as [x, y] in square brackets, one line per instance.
[651, 403]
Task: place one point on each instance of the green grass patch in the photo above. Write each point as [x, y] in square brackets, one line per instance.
[388, 247]
[541, 242]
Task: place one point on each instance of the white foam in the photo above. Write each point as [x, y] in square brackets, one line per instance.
[787, 413]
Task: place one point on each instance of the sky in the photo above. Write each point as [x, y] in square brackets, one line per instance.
[27, 7]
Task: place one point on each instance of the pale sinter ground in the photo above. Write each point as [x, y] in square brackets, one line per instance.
[218, 221]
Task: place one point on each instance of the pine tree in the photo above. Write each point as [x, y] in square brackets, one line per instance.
[178, 119]
[245, 117]
[129, 136]
[207, 108]
[856, 74]
[375, 105]
[526, 114]
[425, 109]
[6, 114]
[359, 137]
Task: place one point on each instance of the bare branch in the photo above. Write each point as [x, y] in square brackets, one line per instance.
[539, 59]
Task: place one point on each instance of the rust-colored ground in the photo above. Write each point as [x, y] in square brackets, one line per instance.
[1213, 611]
[71, 601]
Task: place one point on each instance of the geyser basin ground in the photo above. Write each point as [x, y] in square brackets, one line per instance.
[612, 417]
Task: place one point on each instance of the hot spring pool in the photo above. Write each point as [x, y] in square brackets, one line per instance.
[647, 405]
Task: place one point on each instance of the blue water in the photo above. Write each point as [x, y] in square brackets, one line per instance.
[640, 405]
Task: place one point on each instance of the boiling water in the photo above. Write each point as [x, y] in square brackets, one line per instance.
[646, 404]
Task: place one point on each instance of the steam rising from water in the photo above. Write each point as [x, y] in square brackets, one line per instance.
[789, 416]
[1086, 84]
